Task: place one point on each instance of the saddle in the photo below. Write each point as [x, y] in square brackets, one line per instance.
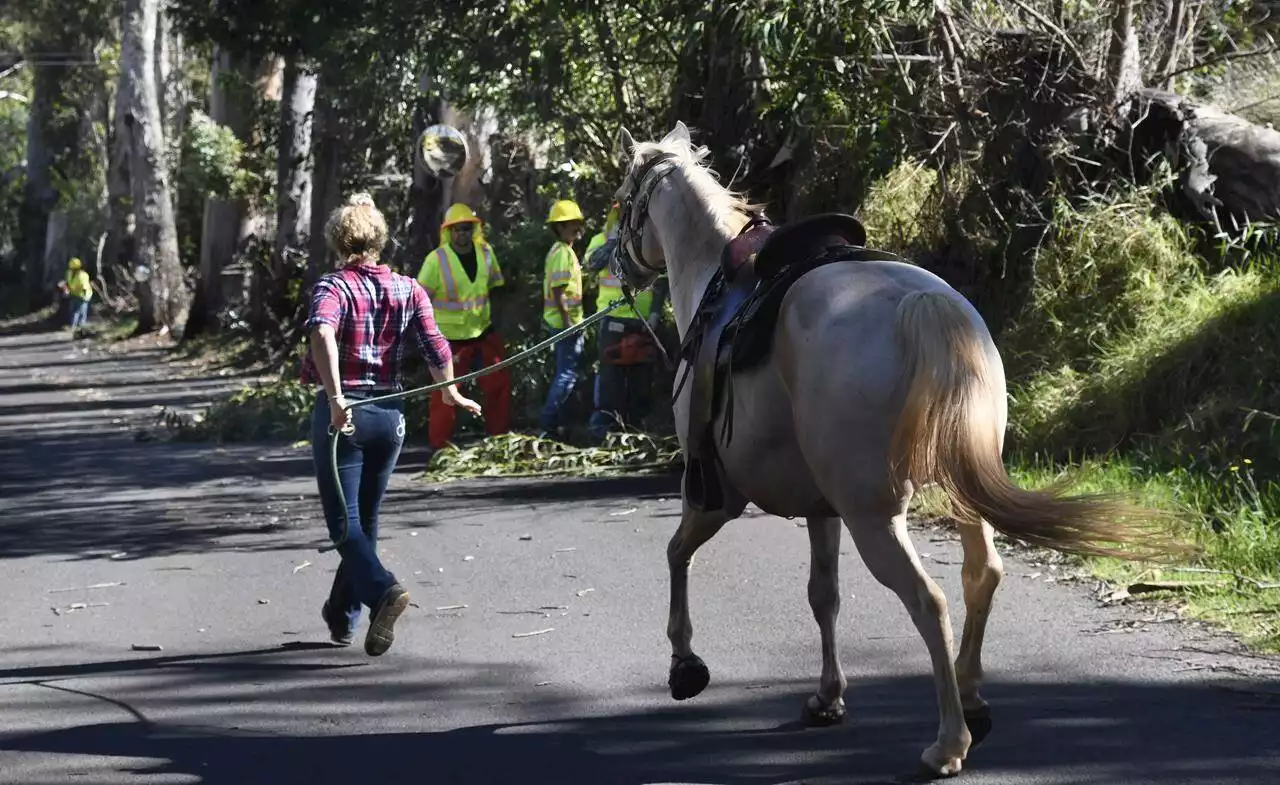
[733, 328]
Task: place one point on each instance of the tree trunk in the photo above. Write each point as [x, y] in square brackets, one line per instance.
[223, 219]
[293, 177]
[40, 197]
[326, 191]
[162, 282]
[118, 253]
[259, 225]
[1229, 168]
[1124, 61]
[171, 85]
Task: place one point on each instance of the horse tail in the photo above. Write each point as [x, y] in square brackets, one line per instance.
[949, 432]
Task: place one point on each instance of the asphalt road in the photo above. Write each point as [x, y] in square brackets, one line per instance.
[107, 542]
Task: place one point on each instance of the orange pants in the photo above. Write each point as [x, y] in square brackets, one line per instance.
[471, 356]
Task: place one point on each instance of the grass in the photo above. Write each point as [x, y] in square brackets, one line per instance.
[1230, 514]
[1236, 582]
[1151, 376]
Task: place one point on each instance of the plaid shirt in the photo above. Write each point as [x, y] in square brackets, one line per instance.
[371, 308]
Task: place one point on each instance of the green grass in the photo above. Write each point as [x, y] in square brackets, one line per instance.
[1232, 516]
[1228, 513]
[1151, 376]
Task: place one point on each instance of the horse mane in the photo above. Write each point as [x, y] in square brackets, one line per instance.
[728, 208]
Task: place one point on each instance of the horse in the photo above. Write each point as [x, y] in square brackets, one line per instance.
[881, 379]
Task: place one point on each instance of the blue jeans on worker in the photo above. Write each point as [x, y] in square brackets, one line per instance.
[79, 312]
[568, 360]
[365, 462]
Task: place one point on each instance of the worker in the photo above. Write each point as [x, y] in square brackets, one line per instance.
[77, 286]
[460, 276]
[562, 309]
[627, 352]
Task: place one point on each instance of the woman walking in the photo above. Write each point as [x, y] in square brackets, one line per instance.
[361, 317]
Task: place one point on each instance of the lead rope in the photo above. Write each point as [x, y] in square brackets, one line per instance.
[350, 429]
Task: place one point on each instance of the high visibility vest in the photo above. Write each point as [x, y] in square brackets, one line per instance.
[79, 284]
[562, 271]
[611, 289]
[461, 305]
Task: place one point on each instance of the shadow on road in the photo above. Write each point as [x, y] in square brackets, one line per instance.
[1079, 733]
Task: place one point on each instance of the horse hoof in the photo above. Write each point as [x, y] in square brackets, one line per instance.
[979, 723]
[817, 714]
[935, 765]
[689, 676]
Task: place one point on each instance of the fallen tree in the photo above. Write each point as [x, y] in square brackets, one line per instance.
[1228, 167]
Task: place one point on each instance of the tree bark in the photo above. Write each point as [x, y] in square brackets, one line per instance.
[118, 251]
[39, 197]
[171, 84]
[223, 221]
[293, 176]
[1229, 168]
[161, 283]
[326, 193]
[1124, 61]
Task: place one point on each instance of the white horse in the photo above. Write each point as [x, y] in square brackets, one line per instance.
[881, 378]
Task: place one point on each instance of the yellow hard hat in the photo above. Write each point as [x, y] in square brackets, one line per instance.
[565, 210]
[74, 264]
[459, 213]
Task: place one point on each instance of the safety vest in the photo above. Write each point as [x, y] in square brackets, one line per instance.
[461, 305]
[79, 284]
[611, 289]
[562, 271]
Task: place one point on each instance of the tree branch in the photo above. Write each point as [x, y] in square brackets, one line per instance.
[1061, 34]
[1223, 58]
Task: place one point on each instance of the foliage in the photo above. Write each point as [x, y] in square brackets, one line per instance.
[279, 410]
[1119, 250]
[1132, 344]
[515, 455]
[902, 213]
[212, 160]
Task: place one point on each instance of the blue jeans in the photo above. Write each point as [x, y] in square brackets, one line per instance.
[568, 359]
[79, 312]
[365, 462]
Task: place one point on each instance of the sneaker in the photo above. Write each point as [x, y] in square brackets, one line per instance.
[339, 633]
[382, 627]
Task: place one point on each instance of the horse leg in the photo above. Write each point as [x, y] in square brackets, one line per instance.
[689, 675]
[886, 548]
[980, 574]
[826, 707]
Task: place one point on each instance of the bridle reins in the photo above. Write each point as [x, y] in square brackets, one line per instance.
[628, 262]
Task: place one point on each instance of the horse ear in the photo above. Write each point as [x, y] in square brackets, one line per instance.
[679, 134]
[626, 144]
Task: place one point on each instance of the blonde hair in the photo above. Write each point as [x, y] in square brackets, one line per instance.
[357, 231]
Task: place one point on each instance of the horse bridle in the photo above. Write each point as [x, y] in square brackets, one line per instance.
[628, 261]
